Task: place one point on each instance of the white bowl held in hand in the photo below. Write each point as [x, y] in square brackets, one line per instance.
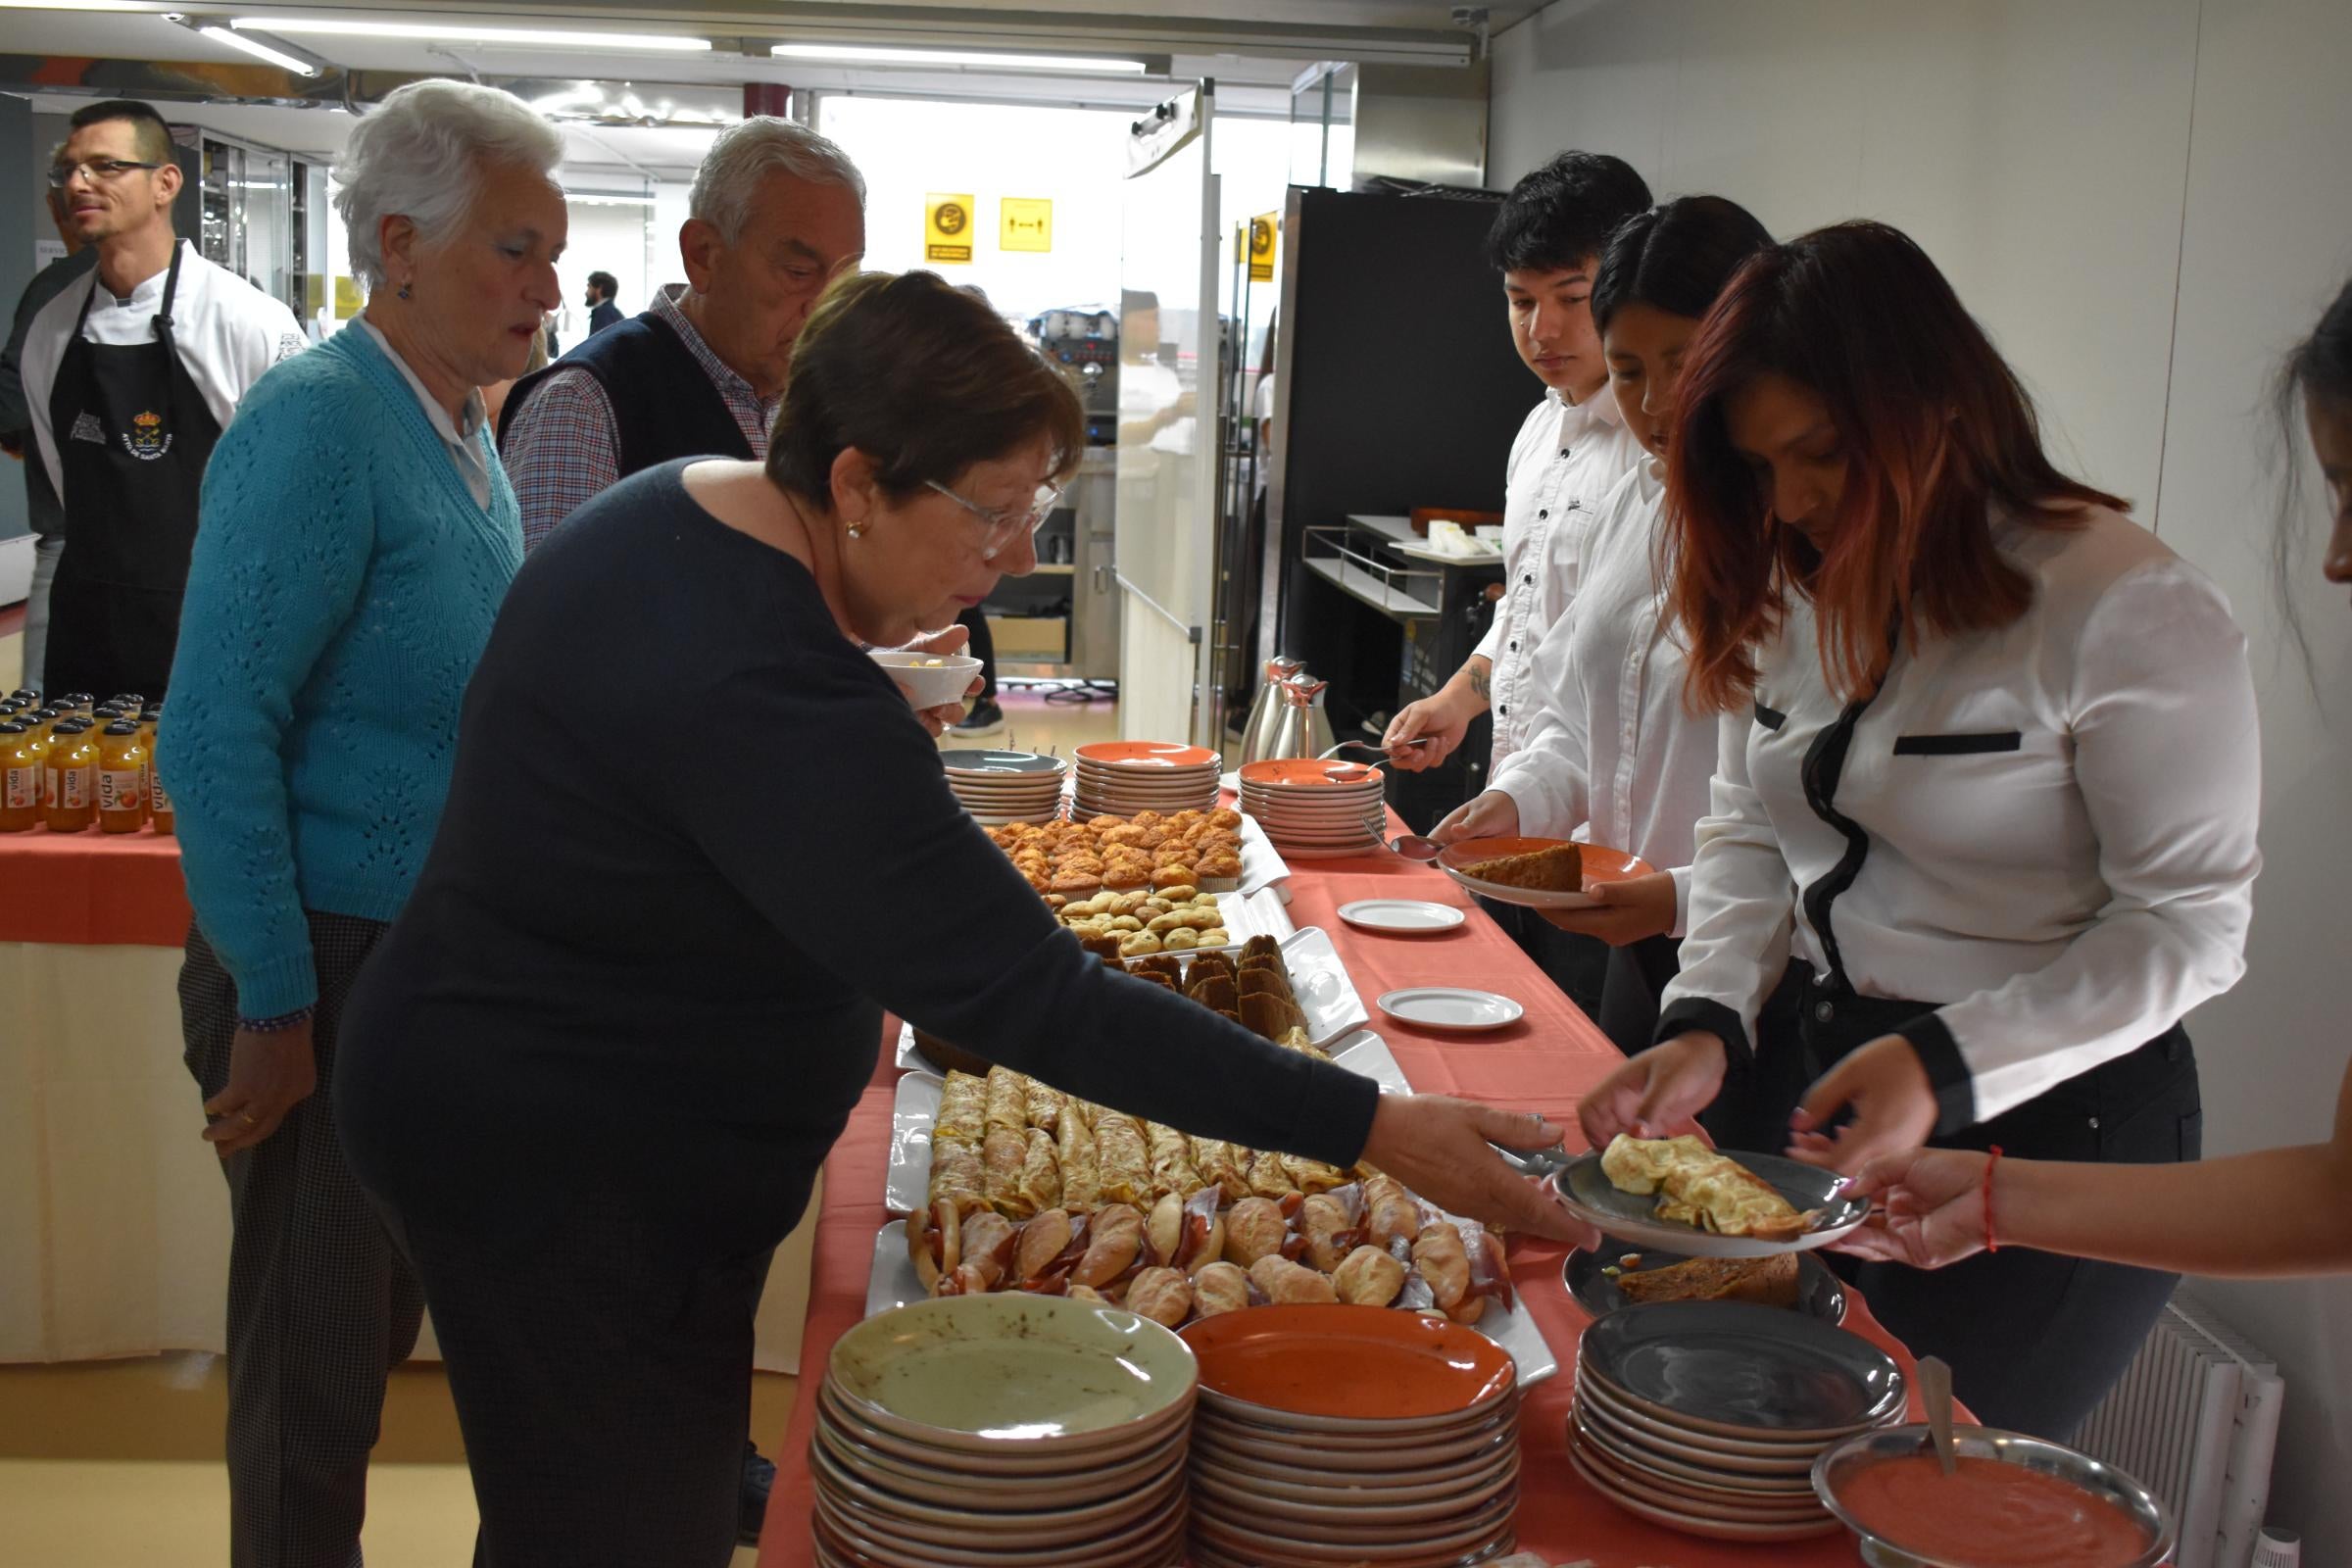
[930, 680]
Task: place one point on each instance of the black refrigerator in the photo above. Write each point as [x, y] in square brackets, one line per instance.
[1395, 388]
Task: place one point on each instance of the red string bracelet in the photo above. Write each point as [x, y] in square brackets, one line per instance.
[1990, 1245]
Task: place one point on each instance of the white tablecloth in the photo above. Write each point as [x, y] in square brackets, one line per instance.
[114, 1217]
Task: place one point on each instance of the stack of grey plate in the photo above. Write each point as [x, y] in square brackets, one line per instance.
[1706, 1417]
[1004, 787]
[1002, 1432]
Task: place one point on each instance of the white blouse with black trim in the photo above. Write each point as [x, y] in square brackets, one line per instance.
[2047, 828]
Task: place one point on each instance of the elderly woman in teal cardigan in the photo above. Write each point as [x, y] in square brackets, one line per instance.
[356, 538]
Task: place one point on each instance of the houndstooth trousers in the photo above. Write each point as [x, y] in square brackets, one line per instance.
[320, 1305]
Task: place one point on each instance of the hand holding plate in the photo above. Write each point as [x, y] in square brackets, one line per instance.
[1932, 1212]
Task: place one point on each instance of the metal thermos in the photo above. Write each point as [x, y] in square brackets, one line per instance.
[1301, 729]
[1266, 708]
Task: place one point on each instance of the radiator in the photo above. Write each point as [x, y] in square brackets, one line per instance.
[2196, 1420]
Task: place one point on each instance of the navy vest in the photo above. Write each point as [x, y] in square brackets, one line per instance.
[662, 397]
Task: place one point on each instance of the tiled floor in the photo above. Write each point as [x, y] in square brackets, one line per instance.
[110, 1464]
[117, 1463]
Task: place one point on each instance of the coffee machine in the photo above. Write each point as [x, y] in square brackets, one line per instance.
[1084, 341]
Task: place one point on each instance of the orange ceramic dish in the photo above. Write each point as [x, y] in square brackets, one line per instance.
[1364, 1363]
[1307, 772]
[1148, 753]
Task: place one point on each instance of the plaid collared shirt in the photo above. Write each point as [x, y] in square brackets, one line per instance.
[564, 446]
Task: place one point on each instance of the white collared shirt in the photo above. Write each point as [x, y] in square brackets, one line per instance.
[2055, 822]
[225, 332]
[1611, 755]
[457, 435]
[1564, 463]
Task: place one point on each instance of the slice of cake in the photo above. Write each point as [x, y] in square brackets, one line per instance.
[1557, 870]
[1770, 1281]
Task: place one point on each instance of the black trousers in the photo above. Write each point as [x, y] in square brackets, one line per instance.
[320, 1305]
[982, 647]
[602, 1380]
[2034, 1340]
[1578, 965]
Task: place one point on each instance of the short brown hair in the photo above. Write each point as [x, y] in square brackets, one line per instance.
[921, 377]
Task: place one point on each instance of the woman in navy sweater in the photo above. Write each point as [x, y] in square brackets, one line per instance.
[695, 844]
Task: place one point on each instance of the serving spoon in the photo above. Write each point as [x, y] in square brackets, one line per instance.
[1936, 1393]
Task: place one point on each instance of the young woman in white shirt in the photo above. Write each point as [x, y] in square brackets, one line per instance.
[1614, 755]
[1988, 784]
[2272, 1213]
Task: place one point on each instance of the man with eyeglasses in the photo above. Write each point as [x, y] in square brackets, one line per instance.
[130, 378]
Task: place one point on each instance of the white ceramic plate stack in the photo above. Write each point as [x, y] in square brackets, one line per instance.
[1347, 1435]
[1002, 1432]
[1706, 1417]
[1119, 778]
[1001, 787]
[1314, 809]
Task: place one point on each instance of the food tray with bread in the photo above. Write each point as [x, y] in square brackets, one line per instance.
[1618, 1273]
[1326, 998]
[1680, 1194]
[1538, 873]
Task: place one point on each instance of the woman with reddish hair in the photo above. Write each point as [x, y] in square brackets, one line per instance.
[1986, 793]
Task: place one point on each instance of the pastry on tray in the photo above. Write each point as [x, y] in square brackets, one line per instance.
[1699, 1187]
[1559, 869]
[1767, 1281]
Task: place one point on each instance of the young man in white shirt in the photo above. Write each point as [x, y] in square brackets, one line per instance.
[1546, 242]
[130, 378]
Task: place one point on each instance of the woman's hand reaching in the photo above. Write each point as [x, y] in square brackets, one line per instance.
[1439, 1149]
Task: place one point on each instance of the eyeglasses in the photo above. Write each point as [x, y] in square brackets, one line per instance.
[1002, 526]
[97, 169]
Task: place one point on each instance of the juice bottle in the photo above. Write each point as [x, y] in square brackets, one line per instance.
[129, 702]
[72, 774]
[103, 714]
[159, 798]
[23, 780]
[122, 777]
[75, 703]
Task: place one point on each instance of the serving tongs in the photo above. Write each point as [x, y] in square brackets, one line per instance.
[1536, 1162]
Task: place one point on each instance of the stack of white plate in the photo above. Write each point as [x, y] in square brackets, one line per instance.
[1002, 1432]
[1001, 787]
[1340, 1435]
[1119, 778]
[1706, 1417]
[1315, 808]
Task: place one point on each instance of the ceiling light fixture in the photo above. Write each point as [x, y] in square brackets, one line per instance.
[260, 51]
[77, 5]
[868, 54]
[540, 38]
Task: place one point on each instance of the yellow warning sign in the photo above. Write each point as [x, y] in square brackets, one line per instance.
[347, 298]
[1026, 225]
[948, 228]
[1262, 247]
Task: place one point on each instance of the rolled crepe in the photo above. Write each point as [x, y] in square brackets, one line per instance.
[958, 1177]
[1002, 1161]
[1074, 1148]
[1124, 1170]
[1007, 1100]
[963, 1109]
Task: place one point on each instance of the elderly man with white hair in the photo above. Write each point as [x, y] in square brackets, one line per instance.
[355, 540]
[776, 212]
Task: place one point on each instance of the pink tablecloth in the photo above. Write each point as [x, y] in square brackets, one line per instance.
[1545, 1063]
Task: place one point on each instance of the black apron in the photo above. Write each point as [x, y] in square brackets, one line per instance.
[133, 434]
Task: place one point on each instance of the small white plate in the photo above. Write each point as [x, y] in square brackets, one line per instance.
[1452, 1009]
[1402, 915]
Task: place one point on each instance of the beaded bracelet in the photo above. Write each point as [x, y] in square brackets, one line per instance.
[277, 1025]
[1990, 1245]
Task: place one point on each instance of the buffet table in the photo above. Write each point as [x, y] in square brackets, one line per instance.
[1545, 1063]
[113, 1219]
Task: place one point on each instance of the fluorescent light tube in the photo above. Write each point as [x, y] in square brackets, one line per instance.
[883, 56]
[545, 37]
[76, 5]
[260, 51]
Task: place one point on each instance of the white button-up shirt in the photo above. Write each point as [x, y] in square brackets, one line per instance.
[458, 438]
[1566, 459]
[1611, 755]
[2054, 822]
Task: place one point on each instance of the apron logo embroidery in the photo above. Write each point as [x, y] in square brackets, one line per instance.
[289, 343]
[147, 439]
[87, 428]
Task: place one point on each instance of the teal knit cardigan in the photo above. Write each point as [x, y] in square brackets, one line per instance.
[342, 589]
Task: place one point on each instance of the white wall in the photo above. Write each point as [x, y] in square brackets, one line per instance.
[2144, 200]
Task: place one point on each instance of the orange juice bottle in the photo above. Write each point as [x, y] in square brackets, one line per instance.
[72, 774]
[122, 777]
[159, 798]
[24, 779]
[78, 703]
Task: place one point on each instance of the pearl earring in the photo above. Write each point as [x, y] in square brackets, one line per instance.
[858, 530]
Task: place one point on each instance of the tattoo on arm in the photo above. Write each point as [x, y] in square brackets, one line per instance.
[1480, 678]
